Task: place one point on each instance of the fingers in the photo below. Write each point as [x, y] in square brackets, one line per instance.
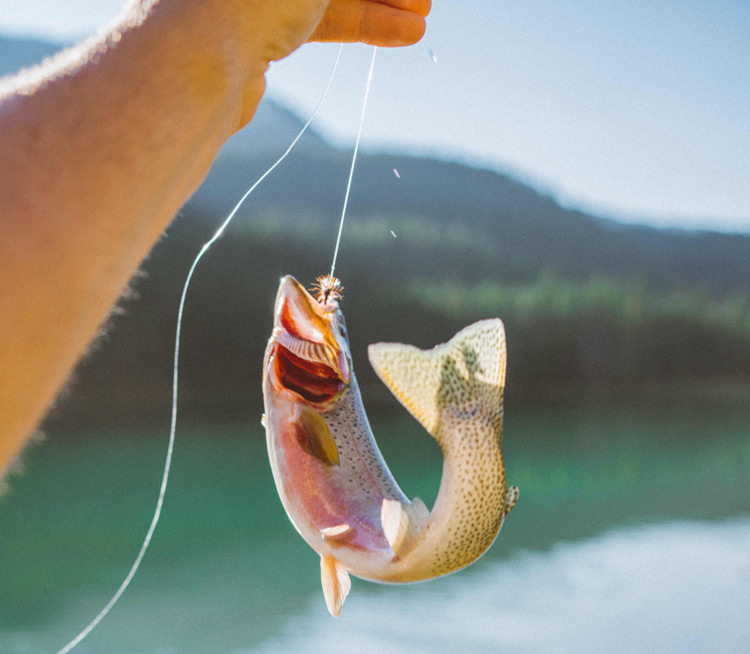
[385, 23]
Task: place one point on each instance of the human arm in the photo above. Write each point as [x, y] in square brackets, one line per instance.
[101, 147]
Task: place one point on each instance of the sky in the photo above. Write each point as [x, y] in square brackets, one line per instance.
[635, 110]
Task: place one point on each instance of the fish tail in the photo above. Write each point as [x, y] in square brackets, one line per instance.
[462, 378]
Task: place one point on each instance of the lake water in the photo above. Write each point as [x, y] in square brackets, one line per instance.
[632, 534]
[679, 587]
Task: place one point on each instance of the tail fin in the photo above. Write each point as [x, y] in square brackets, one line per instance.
[469, 367]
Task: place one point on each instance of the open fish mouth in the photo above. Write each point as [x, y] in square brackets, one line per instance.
[315, 378]
[309, 359]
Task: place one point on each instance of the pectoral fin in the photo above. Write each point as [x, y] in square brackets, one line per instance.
[314, 436]
[336, 584]
[403, 524]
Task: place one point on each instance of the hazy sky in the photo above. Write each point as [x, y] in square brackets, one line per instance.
[638, 110]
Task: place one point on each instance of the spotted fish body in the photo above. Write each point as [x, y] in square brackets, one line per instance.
[330, 475]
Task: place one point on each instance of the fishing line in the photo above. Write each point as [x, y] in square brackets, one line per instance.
[354, 159]
[178, 332]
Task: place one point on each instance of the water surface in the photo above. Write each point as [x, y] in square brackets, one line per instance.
[631, 520]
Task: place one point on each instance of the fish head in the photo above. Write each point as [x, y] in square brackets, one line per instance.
[308, 353]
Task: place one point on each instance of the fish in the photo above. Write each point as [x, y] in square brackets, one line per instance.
[329, 472]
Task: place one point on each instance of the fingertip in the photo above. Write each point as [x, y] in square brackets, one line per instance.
[383, 31]
[414, 32]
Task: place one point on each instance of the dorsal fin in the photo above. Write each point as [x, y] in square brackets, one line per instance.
[470, 367]
[336, 583]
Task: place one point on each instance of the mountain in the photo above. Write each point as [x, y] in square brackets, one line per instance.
[492, 224]
[429, 245]
[17, 52]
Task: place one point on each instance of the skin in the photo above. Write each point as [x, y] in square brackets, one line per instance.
[103, 145]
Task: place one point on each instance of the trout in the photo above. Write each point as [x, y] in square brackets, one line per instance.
[330, 475]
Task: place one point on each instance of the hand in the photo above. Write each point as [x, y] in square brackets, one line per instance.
[275, 29]
[262, 31]
[386, 23]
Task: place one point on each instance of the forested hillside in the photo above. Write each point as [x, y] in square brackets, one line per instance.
[591, 306]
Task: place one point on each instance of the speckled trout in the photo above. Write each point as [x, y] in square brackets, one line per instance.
[332, 480]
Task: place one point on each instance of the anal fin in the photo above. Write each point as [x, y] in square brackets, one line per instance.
[511, 497]
[336, 583]
[403, 524]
